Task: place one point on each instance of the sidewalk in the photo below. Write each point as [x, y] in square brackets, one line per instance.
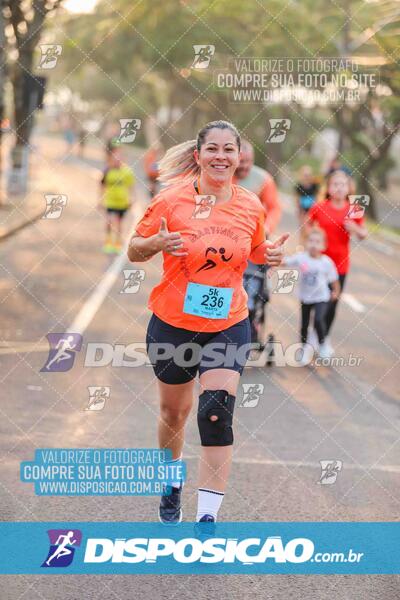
[17, 211]
[45, 178]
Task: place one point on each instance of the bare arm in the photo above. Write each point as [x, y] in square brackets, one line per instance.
[335, 290]
[141, 249]
[132, 194]
[357, 229]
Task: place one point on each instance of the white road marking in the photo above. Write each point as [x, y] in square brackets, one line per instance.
[97, 297]
[353, 303]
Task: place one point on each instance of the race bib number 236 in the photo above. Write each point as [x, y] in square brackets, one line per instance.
[206, 301]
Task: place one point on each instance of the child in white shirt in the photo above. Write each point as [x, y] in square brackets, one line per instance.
[317, 284]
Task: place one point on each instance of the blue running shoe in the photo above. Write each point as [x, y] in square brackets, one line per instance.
[207, 519]
[170, 511]
[205, 528]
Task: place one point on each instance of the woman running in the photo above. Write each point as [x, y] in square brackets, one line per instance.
[337, 217]
[207, 228]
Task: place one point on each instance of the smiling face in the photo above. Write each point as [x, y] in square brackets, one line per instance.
[219, 156]
[338, 186]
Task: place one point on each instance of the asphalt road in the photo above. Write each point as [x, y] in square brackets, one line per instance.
[49, 281]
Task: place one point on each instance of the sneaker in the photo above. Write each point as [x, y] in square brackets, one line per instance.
[329, 346]
[207, 519]
[170, 511]
[307, 355]
[325, 350]
[205, 528]
[312, 339]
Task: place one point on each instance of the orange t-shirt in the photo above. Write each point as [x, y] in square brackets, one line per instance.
[219, 241]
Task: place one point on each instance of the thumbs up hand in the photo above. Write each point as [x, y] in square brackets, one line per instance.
[274, 251]
[171, 243]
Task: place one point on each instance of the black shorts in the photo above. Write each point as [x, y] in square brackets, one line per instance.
[177, 355]
[120, 212]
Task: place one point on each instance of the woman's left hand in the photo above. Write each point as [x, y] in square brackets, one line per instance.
[274, 251]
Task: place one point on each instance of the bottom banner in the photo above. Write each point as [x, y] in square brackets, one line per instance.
[199, 548]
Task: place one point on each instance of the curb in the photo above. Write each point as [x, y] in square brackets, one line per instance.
[5, 232]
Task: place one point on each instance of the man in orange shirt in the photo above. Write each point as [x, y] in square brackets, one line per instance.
[261, 183]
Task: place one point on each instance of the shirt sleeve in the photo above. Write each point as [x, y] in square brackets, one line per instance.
[272, 206]
[259, 233]
[257, 254]
[150, 223]
[332, 274]
[291, 261]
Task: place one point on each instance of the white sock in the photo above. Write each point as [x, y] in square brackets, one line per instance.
[208, 503]
[175, 484]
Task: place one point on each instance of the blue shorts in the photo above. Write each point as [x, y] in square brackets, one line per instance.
[177, 355]
[306, 202]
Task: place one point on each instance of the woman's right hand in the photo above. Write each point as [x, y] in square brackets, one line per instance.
[171, 243]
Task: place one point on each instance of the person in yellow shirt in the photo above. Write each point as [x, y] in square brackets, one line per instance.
[117, 186]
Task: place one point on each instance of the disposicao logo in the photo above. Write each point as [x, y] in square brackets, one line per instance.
[63, 347]
[190, 550]
[62, 547]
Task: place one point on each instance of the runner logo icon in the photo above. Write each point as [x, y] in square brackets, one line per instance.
[62, 351]
[50, 54]
[203, 54]
[286, 280]
[329, 471]
[63, 543]
[128, 131]
[97, 397]
[210, 263]
[133, 279]
[251, 394]
[278, 130]
[55, 204]
[358, 205]
[204, 204]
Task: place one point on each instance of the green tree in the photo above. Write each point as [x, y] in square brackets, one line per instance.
[26, 21]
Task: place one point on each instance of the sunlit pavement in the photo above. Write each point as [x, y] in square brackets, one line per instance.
[304, 415]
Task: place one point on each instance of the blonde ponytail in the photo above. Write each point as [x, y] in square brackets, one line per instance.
[178, 164]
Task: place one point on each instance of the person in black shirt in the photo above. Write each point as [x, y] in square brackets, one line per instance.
[305, 191]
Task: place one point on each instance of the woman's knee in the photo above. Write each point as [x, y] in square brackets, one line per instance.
[174, 415]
